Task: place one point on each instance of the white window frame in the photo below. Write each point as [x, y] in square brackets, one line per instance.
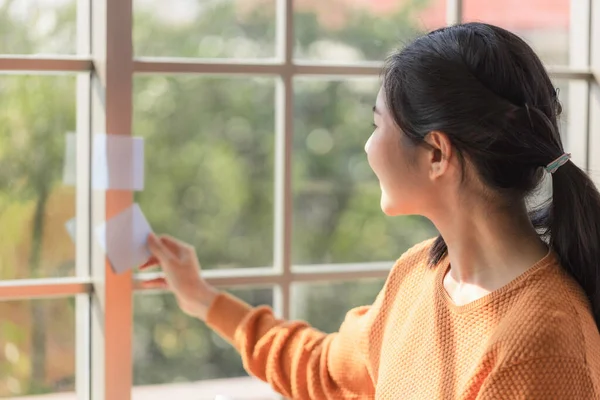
[104, 310]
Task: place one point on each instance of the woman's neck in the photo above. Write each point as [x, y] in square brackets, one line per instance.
[489, 248]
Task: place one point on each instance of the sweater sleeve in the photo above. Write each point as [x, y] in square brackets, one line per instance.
[541, 378]
[298, 361]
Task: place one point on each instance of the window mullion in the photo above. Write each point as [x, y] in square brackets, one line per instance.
[579, 56]
[112, 306]
[83, 206]
[283, 156]
[454, 10]
[22, 63]
[594, 98]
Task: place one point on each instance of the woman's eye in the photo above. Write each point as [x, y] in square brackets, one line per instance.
[374, 126]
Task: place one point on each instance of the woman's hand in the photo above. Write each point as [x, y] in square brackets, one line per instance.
[180, 264]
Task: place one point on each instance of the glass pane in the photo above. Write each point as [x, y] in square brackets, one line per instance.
[339, 297]
[337, 216]
[209, 152]
[574, 96]
[37, 198]
[37, 347]
[543, 24]
[345, 31]
[204, 28]
[37, 26]
[183, 356]
[563, 96]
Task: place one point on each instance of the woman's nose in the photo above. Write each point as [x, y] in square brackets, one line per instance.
[368, 144]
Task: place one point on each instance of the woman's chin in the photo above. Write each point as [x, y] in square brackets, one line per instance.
[388, 207]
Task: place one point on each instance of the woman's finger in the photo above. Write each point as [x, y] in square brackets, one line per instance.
[152, 262]
[159, 250]
[156, 283]
[175, 245]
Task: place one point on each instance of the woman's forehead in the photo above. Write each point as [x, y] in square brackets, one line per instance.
[380, 101]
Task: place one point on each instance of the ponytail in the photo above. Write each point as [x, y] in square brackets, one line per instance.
[572, 224]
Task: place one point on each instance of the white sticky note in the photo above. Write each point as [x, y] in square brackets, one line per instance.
[71, 226]
[123, 238]
[118, 162]
[70, 160]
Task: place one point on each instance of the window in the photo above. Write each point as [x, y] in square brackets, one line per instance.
[254, 114]
[545, 25]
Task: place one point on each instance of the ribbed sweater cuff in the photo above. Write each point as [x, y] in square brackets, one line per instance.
[225, 315]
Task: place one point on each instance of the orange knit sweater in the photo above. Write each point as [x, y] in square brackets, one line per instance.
[532, 339]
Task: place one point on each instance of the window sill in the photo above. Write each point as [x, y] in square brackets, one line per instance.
[243, 388]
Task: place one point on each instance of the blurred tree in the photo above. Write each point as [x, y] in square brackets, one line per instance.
[32, 145]
[209, 160]
[337, 295]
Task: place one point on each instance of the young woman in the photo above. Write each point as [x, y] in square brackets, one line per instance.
[504, 304]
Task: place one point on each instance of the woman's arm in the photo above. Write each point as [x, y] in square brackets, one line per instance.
[298, 361]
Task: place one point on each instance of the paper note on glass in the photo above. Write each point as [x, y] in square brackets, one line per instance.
[71, 226]
[118, 162]
[123, 239]
[70, 161]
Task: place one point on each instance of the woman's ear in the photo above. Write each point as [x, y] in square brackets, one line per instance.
[440, 153]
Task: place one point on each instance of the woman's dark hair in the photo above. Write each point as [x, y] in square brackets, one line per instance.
[489, 93]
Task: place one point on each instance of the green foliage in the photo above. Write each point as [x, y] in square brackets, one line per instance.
[210, 170]
[27, 27]
[370, 35]
[308, 301]
[35, 112]
[209, 161]
[170, 347]
[213, 29]
[336, 211]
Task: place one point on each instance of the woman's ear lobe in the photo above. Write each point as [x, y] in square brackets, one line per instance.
[438, 165]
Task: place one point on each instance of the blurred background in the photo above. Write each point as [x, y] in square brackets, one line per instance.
[210, 168]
